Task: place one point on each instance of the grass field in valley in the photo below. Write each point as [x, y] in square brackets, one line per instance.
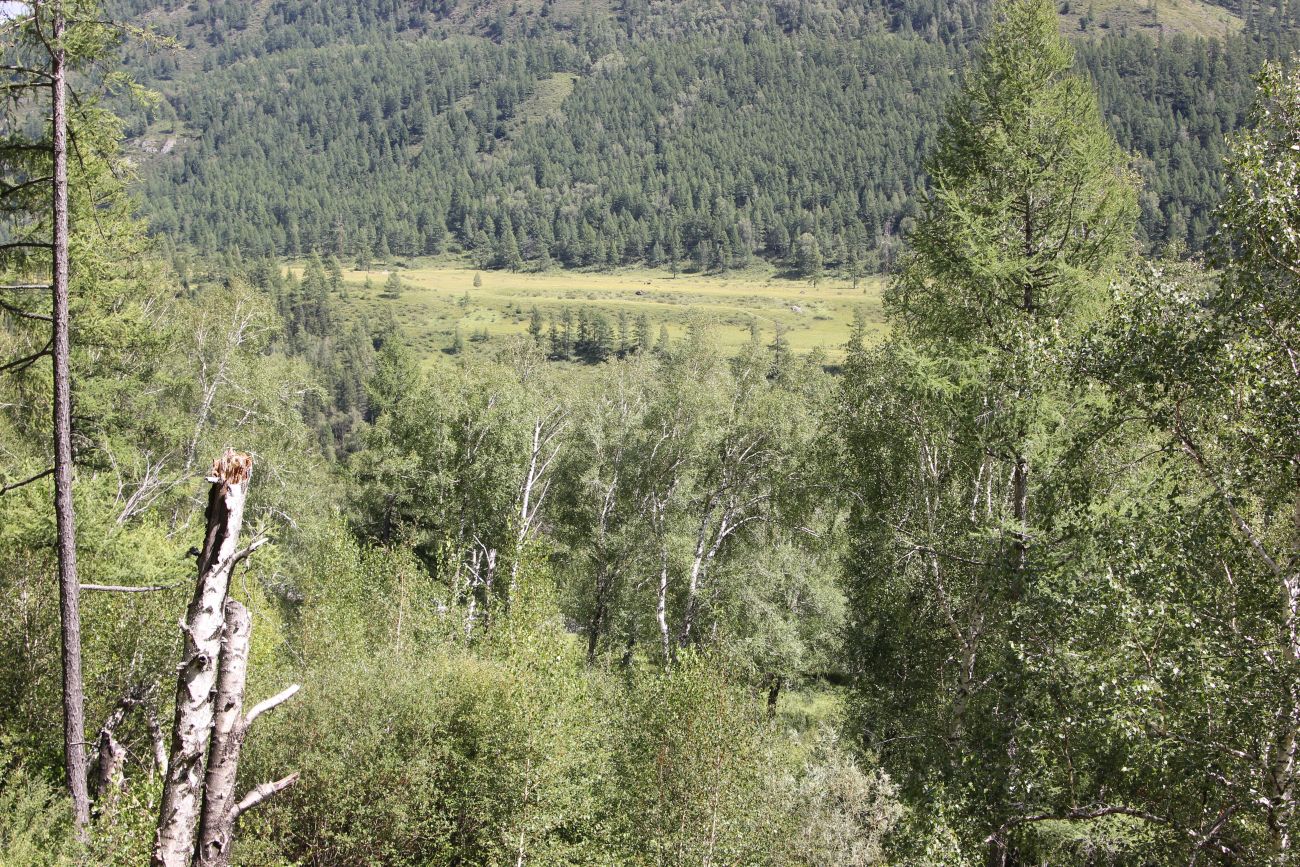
[438, 297]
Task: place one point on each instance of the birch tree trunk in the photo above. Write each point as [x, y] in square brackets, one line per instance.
[661, 608]
[216, 826]
[197, 673]
[220, 809]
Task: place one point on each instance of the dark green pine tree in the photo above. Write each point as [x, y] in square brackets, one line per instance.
[535, 325]
[600, 343]
[808, 257]
[392, 286]
[508, 251]
[643, 340]
[566, 333]
[314, 314]
[334, 271]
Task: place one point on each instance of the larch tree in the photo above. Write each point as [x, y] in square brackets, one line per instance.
[1031, 206]
[46, 41]
[1032, 203]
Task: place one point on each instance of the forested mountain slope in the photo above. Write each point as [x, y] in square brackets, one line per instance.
[603, 133]
[1015, 585]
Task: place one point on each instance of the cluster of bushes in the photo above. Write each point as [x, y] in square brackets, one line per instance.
[417, 747]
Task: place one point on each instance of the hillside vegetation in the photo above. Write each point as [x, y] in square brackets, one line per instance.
[359, 557]
[591, 134]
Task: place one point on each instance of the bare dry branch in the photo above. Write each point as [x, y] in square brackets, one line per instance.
[25, 314]
[6, 189]
[244, 553]
[26, 361]
[26, 70]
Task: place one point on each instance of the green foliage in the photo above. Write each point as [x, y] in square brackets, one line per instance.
[557, 614]
[421, 749]
[1104, 655]
[1031, 197]
[683, 131]
[124, 828]
[35, 822]
[958, 574]
[418, 758]
[845, 812]
[691, 760]
[392, 286]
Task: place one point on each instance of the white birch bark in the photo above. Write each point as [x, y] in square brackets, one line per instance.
[196, 676]
[230, 728]
[215, 827]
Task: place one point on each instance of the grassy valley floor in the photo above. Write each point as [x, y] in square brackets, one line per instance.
[437, 297]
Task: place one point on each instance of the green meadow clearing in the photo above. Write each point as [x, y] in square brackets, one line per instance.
[438, 297]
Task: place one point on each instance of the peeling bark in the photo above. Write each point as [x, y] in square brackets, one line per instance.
[215, 827]
[220, 809]
[196, 676]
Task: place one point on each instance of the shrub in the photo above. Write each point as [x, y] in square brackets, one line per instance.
[35, 822]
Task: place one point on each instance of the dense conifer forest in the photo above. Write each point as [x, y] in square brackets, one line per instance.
[606, 134]
[1016, 582]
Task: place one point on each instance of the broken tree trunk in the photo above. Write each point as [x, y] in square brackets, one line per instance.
[220, 810]
[108, 769]
[196, 675]
[108, 765]
[227, 737]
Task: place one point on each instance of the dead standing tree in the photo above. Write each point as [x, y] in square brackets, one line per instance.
[220, 809]
[210, 687]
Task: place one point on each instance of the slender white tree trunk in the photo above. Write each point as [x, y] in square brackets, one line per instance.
[661, 607]
[693, 582]
[215, 826]
[197, 673]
